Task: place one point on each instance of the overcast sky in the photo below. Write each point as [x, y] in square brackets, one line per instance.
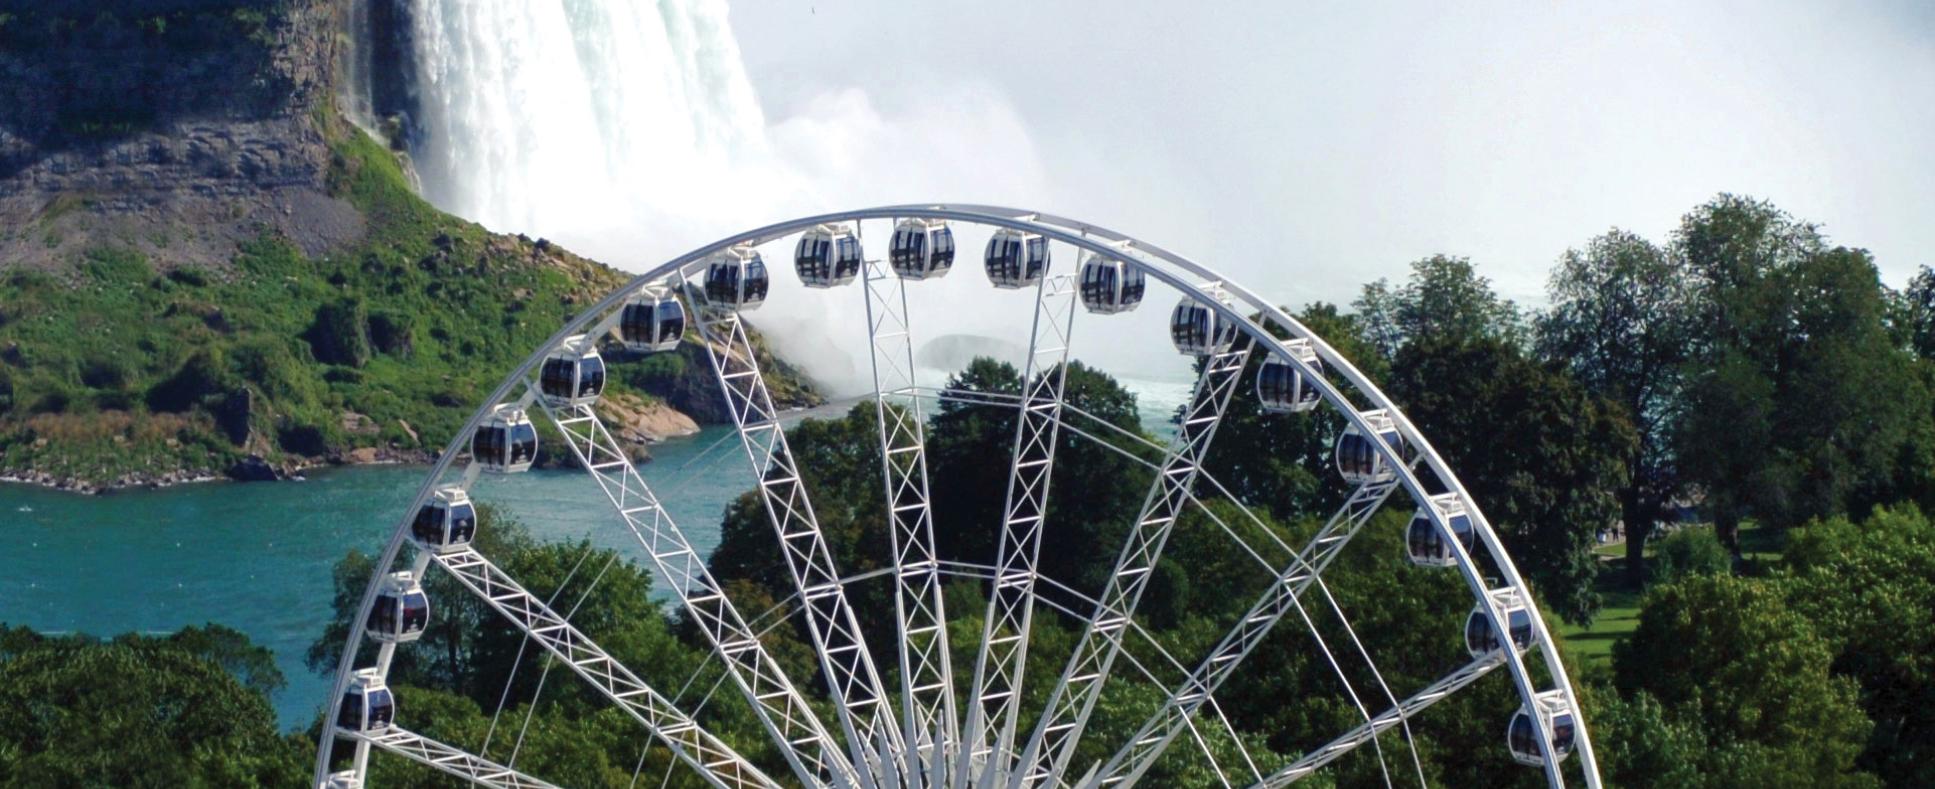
[1305, 148]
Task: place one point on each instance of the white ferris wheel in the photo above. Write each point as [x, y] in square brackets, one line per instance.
[938, 723]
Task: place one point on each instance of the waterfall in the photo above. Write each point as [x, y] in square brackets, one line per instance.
[602, 124]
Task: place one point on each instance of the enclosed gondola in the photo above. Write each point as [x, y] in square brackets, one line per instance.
[652, 322]
[574, 374]
[367, 706]
[1016, 259]
[737, 277]
[828, 256]
[445, 523]
[1427, 544]
[921, 249]
[1358, 458]
[1110, 286]
[1522, 736]
[1281, 388]
[1198, 330]
[506, 443]
[1481, 638]
[401, 610]
[346, 779]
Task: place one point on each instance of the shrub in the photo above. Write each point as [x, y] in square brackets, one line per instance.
[340, 333]
[1690, 552]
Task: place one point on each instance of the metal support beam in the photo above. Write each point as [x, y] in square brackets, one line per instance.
[995, 701]
[1183, 700]
[853, 682]
[926, 667]
[711, 757]
[1060, 728]
[446, 759]
[811, 750]
[1384, 721]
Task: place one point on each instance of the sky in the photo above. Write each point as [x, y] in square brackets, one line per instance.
[1306, 148]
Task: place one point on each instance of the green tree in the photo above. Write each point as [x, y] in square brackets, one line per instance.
[1732, 658]
[136, 712]
[1690, 552]
[1621, 322]
[1539, 454]
[1800, 402]
[1444, 298]
[1869, 588]
[340, 333]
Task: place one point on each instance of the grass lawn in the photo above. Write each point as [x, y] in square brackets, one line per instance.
[1620, 615]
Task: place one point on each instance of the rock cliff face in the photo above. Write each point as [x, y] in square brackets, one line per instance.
[205, 269]
[176, 128]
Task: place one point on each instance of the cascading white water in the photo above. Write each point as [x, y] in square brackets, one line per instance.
[572, 118]
[629, 131]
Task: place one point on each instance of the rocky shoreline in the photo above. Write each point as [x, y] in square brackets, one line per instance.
[634, 421]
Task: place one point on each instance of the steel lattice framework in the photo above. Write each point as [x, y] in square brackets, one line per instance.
[934, 730]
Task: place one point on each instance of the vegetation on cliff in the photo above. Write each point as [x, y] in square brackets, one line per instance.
[184, 315]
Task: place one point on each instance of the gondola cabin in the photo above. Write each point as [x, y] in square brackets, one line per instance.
[506, 443]
[1427, 545]
[737, 277]
[367, 707]
[1016, 259]
[1358, 458]
[1522, 736]
[921, 249]
[1280, 388]
[1199, 330]
[1481, 638]
[574, 374]
[652, 323]
[1110, 286]
[827, 256]
[445, 523]
[401, 611]
[344, 780]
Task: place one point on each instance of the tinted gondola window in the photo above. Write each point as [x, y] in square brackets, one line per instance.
[463, 523]
[591, 376]
[523, 443]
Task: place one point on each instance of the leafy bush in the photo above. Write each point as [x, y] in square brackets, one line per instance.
[1690, 552]
[340, 333]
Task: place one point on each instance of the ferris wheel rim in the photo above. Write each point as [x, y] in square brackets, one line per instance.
[1151, 260]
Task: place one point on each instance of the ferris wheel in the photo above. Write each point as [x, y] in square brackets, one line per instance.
[912, 714]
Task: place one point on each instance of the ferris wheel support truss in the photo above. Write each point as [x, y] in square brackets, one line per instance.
[1154, 737]
[852, 680]
[1069, 707]
[926, 665]
[1385, 721]
[814, 756]
[443, 758]
[994, 703]
[714, 760]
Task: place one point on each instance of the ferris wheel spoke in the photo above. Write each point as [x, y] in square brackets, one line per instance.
[994, 701]
[1077, 604]
[1385, 721]
[852, 680]
[714, 760]
[787, 717]
[1074, 697]
[926, 670]
[1184, 700]
[447, 759]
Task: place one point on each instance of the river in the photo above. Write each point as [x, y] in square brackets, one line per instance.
[257, 557]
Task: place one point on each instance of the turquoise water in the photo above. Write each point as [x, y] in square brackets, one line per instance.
[257, 557]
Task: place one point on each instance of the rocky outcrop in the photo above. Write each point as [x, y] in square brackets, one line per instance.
[638, 422]
[177, 128]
